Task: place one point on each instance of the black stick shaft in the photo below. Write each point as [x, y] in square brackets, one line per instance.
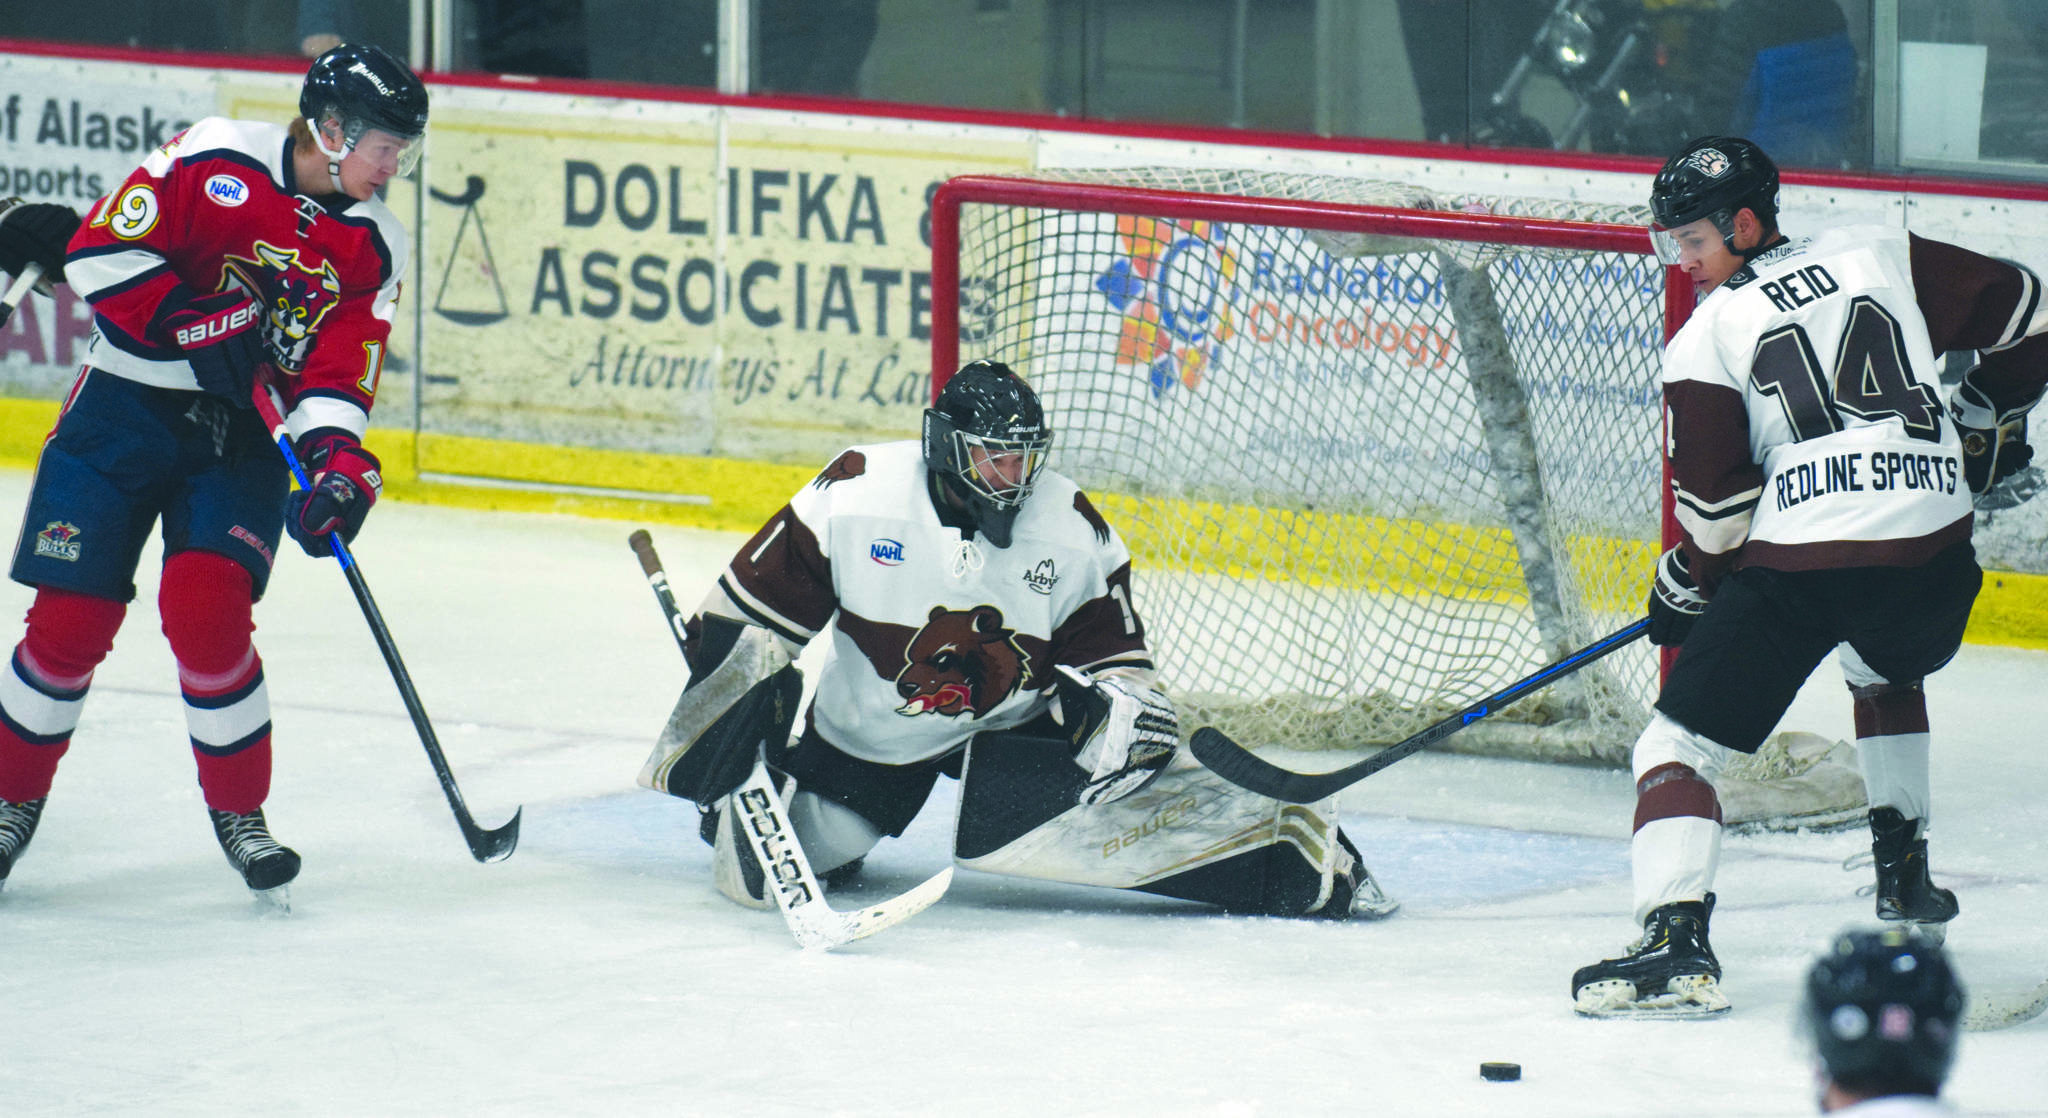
[1242, 767]
[484, 845]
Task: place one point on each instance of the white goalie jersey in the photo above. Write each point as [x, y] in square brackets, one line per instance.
[1805, 422]
[932, 637]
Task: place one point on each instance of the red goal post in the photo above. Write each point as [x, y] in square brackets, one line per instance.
[1377, 451]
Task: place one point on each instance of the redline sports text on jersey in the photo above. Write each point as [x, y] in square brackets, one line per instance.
[1846, 473]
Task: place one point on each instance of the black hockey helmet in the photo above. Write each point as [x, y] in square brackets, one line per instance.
[985, 439]
[1713, 177]
[1883, 1010]
[361, 87]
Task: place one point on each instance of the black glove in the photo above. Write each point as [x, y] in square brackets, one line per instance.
[1994, 440]
[35, 233]
[346, 481]
[1675, 600]
[221, 337]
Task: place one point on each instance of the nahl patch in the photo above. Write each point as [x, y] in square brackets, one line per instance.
[58, 540]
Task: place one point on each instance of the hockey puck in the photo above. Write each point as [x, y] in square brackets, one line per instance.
[1500, 1073]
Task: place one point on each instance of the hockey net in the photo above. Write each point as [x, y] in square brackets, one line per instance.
[1377, 452]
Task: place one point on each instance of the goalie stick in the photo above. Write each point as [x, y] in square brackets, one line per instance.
[484, 845]
[765, 822]
[1247, 770]
[18, 290]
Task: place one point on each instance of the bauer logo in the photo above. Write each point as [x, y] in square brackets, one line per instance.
[227, 190]
[1043, 577]
[58, 540]
[888, 553]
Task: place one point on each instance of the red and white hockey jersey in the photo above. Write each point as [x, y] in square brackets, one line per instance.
[218, 208]
[932, 637]
[1804, 413]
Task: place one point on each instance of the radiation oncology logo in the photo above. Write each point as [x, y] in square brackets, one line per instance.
[1171, 285]
[58, 540]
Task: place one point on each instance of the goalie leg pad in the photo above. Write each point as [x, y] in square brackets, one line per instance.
[1189, 834]
[721, 724]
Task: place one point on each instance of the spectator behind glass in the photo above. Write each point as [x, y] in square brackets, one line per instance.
[539, 37]
[1796, 96]
[326, 24]
[812, 46]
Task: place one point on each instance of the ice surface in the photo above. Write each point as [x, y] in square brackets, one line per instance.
[596, 971]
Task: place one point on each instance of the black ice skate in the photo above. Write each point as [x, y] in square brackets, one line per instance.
[1671, 973]
[265, 865]
[1905, 892]
[17, 826]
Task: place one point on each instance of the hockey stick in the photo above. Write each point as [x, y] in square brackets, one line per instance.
[650, 565]
[18, 290]
[1986, 1016]
[1240, 766]
[486, 846]
[798, 895]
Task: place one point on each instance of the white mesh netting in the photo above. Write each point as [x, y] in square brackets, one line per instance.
[1366, 479]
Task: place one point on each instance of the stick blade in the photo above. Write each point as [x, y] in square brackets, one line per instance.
[822, 928]
[1987, 1014]
[1253, 773]
[493, 845]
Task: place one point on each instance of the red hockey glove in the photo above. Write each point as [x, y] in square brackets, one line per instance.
[221, 338]
[346, 481]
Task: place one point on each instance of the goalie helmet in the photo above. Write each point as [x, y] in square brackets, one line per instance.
[361, 87]
[1713, 177]
[985, 439]
[1883, 1009]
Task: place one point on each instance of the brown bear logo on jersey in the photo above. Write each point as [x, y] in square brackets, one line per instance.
[846, 467]
[961, 662]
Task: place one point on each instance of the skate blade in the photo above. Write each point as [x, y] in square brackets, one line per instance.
[272, 902]
[1686, 996]
[1932, 932]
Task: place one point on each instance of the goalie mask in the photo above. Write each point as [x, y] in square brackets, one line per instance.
[985, 440]
[377, 103]
[1713, 177]
[1882, 1009]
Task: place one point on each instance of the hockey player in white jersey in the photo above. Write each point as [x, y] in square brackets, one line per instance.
[977, 615]
[1825, 500]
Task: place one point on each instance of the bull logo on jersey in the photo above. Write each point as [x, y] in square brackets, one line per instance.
[962, 662]
[295, 295]
[1709, 162]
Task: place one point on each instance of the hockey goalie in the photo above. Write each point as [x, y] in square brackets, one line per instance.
[978, 624]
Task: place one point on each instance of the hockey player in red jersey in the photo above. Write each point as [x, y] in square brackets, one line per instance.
[1825, 499]
[236, 247]
[977, 621]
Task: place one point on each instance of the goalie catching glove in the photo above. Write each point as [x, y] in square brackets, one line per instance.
[1124, 734]
[346, 480]
[1675, 600]
[1994, 439]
